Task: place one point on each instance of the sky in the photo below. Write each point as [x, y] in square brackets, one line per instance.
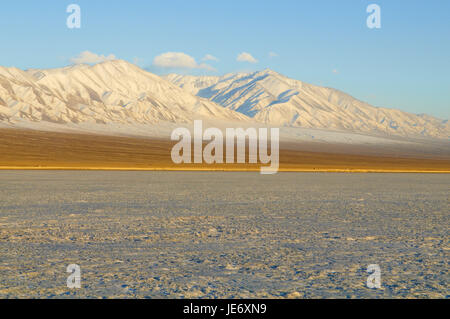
[404, 64]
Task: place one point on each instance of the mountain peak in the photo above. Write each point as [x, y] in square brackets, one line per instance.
[268, 71]
[117, 62]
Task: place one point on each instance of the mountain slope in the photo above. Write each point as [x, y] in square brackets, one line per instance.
[117, 92]
[274, 99]
[109, 92]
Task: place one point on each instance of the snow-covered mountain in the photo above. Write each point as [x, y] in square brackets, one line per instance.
[116, 93]
[271, 98]
[109, 92]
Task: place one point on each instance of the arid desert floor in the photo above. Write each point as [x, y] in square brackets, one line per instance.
[30, 149]
[223, 234]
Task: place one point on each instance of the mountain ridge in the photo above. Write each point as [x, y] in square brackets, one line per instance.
[271, 98]
[118, 92]
[109, 92]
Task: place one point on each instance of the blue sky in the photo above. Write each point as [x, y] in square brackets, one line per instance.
[405, 64]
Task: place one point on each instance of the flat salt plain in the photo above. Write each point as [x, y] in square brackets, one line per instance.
[223, 234]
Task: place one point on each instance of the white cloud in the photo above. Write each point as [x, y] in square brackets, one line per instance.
[91, 58]
[246, 57]
[210, 57]
[179, 60]
[175, 60]
[272, 54]
[335, 71]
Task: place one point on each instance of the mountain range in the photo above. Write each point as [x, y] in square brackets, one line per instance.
[271, 98]
[118, 92]
[109, 92]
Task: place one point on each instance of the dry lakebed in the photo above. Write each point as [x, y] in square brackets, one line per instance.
[223, 234]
